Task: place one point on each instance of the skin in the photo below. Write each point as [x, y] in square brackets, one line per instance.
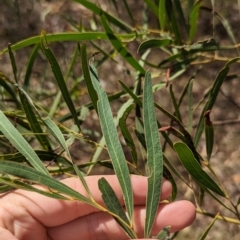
[26, 215]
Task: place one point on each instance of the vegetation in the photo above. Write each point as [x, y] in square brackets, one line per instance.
[41, 124]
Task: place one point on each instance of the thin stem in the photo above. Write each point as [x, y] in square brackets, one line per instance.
[222, 218]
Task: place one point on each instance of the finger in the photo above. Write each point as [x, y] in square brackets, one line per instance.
[100, 225]
[52, 212]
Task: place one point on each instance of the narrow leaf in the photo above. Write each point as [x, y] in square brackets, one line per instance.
[28, 173]
[13, 63]
[98, 11]
[164, 233]
[117, 44]
[21, 185]
[91, 91]
[154, 155]
[19, 142]
[152, 6]
[112, 203]
[33, 120]
[126, 134]
[58, 135]
[194, 169]
[113, 144]
[30, 63]
[205, 234]
[175, 105]
[68, 36]
[212, 98]
[193, 20]
[190, 105]
[9, 90]
[162, 14]
[129, 12]
[209, 134]
[154, 43]
[110, 199]
[59, 78]
[178, 5]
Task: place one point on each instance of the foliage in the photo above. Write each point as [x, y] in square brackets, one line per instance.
[33, 134]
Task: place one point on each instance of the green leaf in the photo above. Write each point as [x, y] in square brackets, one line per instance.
[91, 91]
[154, 155]
[43, 155]
[4, 83]
[193, 19]
[17, 140]
[112, 203]
[33, 120]
[194, 169]
[113, 144]
[139, 103]
[168, 175]
[129, 12]
[21, 185]
[172, 20]
[98, 11]
[164, 233]
[126, 134]
[59, 78]
[205, 234]
[152, 6]
[58, 135]
[178, 5]
[175, 105]
[13, 63]
[30, 64]
[190, 105]
[209, 134]
[117, 44]
[154, 43]
[68, 36]
[162, 14]
[28, 173]
[212, 98]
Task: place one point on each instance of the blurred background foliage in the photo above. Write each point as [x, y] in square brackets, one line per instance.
[203, 51]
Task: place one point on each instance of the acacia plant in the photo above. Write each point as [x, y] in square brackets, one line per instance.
[36, 136]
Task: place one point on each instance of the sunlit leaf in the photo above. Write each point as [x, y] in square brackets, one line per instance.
[205, 234]
[154, 155]
[21, 185]
[112, 203]
[19, 142]
[162, 14]
[113, 144]
[68, 36]
[126, 134]
[33, 120]
[59, 78]
[164, 233]
[28, 173]
[212, 98]
[153, 43]
[59, 136]
[117, 44]
[194, 169]
[209, 134]
[13, 63]
[91, 91]
[98, 11]
[30, 64]
[193, 19]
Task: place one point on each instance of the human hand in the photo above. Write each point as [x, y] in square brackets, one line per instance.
[27, 215]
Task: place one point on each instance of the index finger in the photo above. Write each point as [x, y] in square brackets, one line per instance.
[52, 212]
